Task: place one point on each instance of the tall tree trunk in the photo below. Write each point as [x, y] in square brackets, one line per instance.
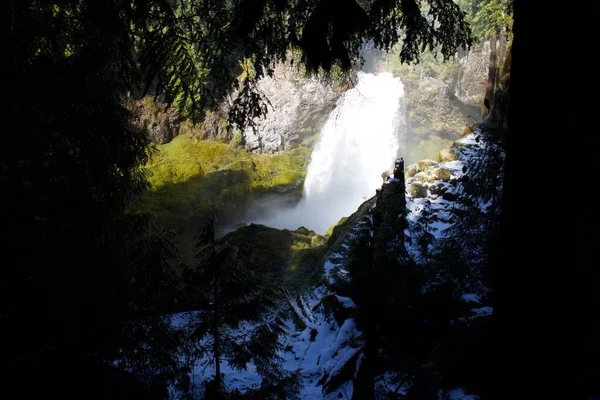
[491, 83]
[216, 344]
[565, 297]
[364, 384]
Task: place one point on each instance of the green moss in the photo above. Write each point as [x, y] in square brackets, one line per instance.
[149, 104]
[238, 139]
[189, 176]
[293, 256]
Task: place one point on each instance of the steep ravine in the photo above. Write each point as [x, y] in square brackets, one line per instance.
[245, 176]
[326, 346]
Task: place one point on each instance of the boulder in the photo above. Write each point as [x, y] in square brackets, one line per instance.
[448, 154]
[442, 174]
[412, 169]
[416, 189]
[305, 231]
[424, 177]
[438, 189]
[450, 196]
[427, 163]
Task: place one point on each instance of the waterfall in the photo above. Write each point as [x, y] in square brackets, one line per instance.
[360, 140]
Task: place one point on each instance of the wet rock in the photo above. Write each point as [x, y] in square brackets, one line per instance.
[438, 189]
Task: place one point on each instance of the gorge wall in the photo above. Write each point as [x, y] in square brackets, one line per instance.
[442, 98]
[298, 108]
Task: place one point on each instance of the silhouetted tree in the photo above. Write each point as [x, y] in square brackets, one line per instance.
[84, 266]
[239, 320]
[546, 267]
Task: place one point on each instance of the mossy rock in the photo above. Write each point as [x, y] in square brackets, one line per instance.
[338, 231]
[188, 177]
[305, 231]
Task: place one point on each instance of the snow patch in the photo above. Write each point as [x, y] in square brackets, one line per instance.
[483, 311]
[456, 394]
[471, 298]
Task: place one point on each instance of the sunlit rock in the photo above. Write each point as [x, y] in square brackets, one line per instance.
[416, 189]
[412, 169]
[427, 163]
[442, 174]
[424, 177]
[298, 108]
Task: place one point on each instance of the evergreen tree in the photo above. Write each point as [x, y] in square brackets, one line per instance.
[85, 267]
[239, 322]
[463, 255]
[386, 287]
[207, 48]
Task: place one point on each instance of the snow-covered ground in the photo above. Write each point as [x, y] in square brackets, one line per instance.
[439, 207]
[317, 357]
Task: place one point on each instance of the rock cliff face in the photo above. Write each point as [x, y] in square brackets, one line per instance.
[161, 124]
[299, 107]
[469, 82]
[441, 98]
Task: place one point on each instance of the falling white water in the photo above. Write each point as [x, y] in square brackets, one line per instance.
[360, 140]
